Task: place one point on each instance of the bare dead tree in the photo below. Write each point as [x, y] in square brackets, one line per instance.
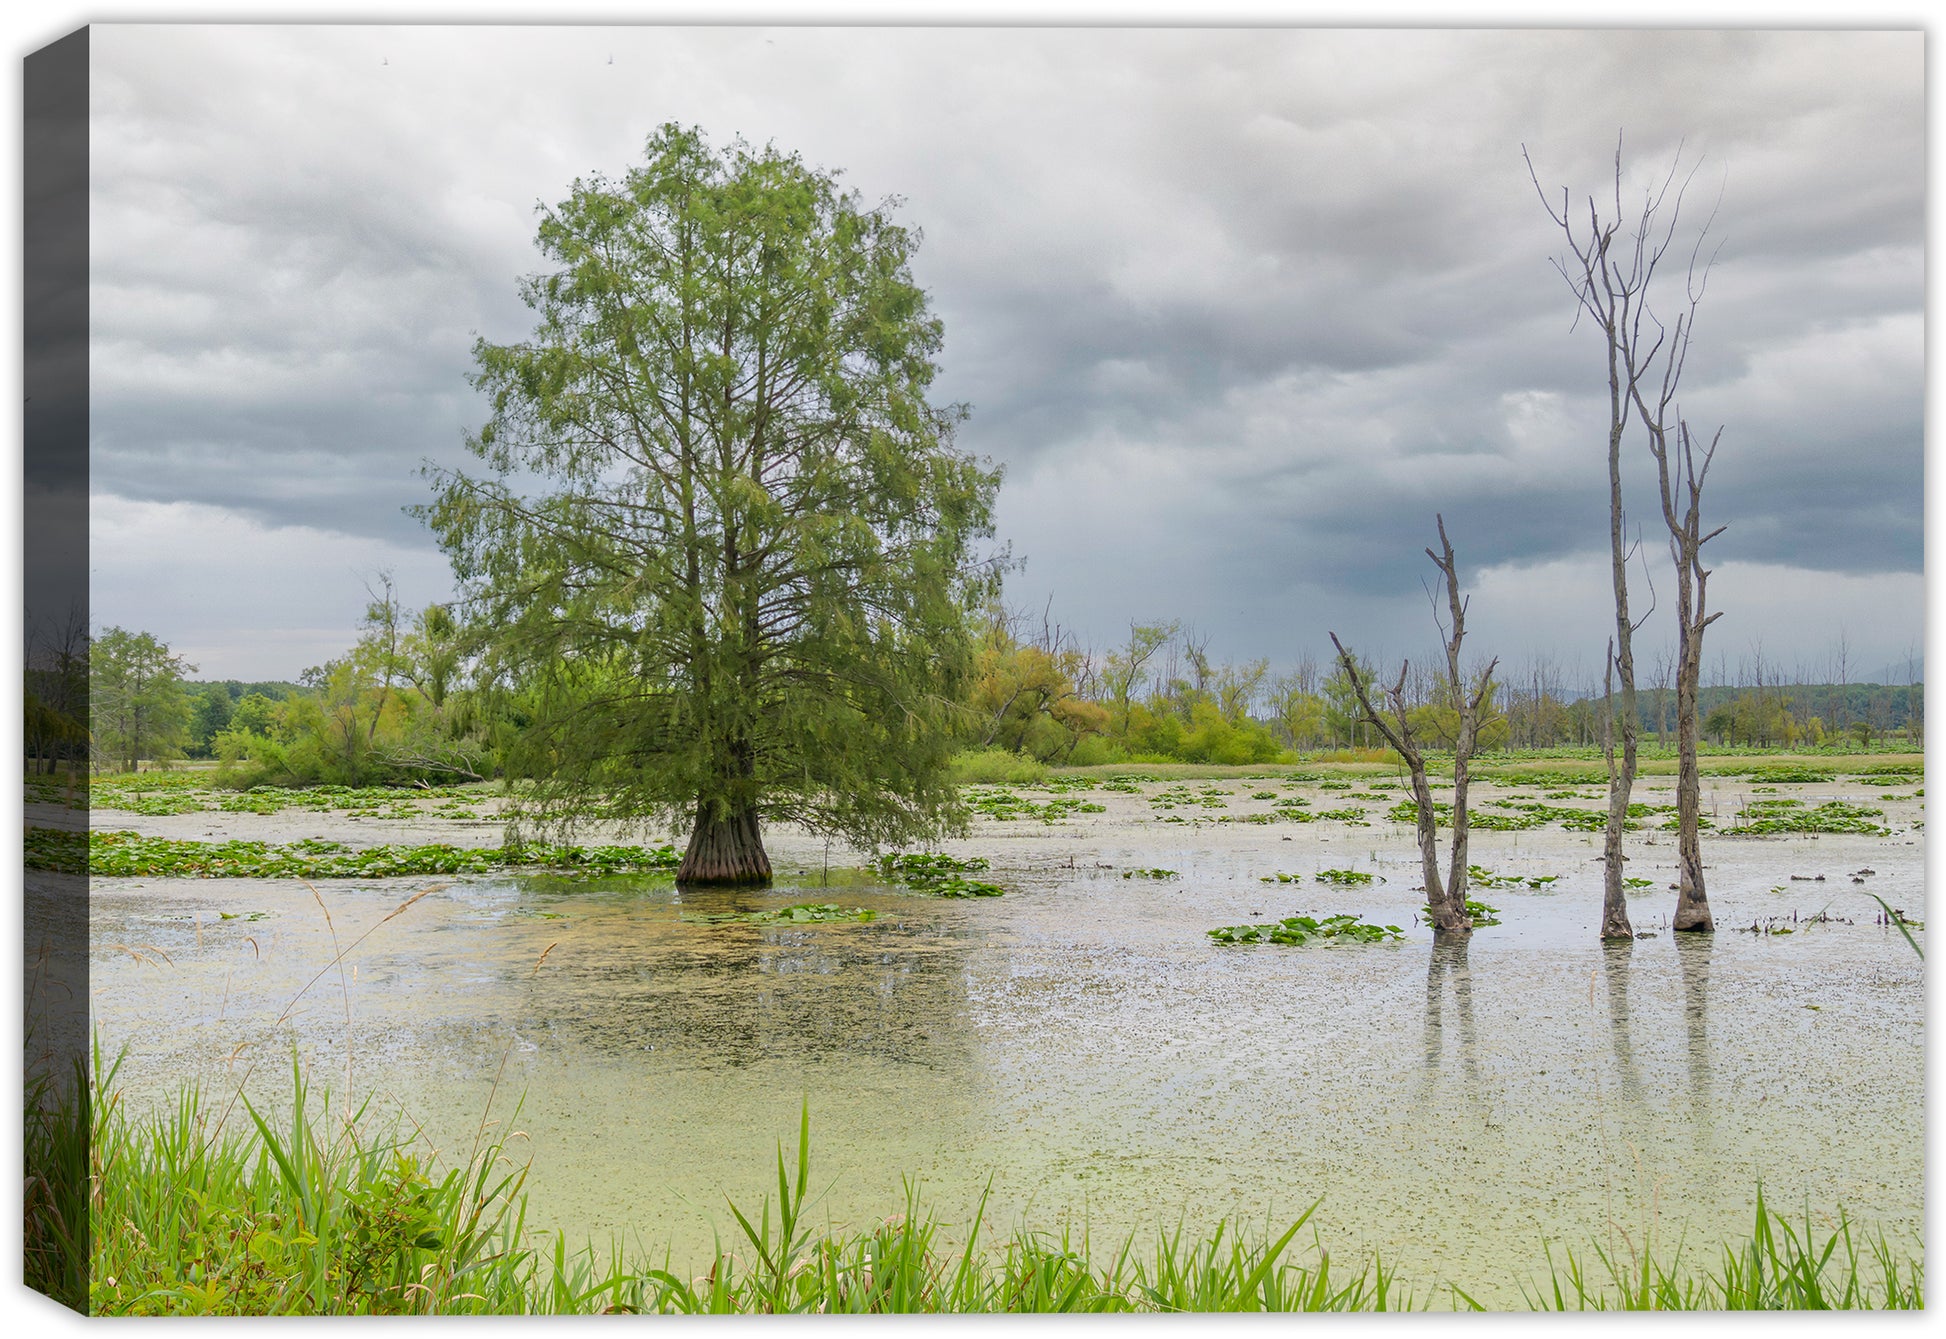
[1682, 475]
[1610, 268]
[1445, 896]
[1614, 896]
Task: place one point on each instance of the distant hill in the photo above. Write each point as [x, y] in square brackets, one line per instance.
[1900, 673]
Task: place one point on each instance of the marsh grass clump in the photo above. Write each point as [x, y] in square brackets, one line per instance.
[193, 1217]
[991, 766]
[1154, 873]
[1780, 1268]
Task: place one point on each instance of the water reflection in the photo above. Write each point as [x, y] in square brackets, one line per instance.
[1693, 951]
[1616, 958]
[1447, 969]
[628, 976]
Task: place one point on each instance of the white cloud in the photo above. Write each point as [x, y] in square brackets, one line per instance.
[236, 598]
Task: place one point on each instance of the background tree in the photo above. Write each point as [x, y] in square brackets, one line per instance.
[1296, 706]
[1123, 672]
[55, 696]
[138, 705]
[1445, 895]
[745, 598]
[1345, 718]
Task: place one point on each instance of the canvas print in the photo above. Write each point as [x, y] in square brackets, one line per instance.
[865, 669]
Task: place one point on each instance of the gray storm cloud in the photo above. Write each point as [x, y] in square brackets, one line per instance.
[1239, 310]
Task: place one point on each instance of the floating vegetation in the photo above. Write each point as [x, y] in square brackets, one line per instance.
[1346, 878]
[1773, 816]
[1263, 794]
[130, 855]
[1487, 821]
[1151, 874]
[801, 913]
[1558, 778]
[1005, 806]
[1342, 928]
[63, 850]
[1183, 795]
[914, 866]
[1796, 773]
[55, 790]
[935, 874]
[1407, 811]
[154, 794]
[152, 805]
[1480, 913]
[1633, 882]
[1486, 878]
[1890, 769]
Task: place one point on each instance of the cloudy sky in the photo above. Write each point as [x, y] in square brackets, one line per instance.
[1239, 310]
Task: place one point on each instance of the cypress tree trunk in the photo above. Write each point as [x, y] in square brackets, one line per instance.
[725, 848]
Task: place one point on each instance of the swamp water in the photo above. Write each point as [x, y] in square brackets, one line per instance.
[1080, 1044]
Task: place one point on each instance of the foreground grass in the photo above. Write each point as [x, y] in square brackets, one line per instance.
[201, 1212]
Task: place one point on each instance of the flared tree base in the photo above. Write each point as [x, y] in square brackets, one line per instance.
[727, 850]
[1692, 912]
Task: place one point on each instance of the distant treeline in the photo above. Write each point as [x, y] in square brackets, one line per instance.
[415, 701]
[1795, 713]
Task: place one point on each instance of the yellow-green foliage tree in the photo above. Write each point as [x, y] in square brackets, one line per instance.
[1024, 697]
[1438, 722]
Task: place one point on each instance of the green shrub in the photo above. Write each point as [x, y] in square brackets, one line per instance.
[996, 767]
